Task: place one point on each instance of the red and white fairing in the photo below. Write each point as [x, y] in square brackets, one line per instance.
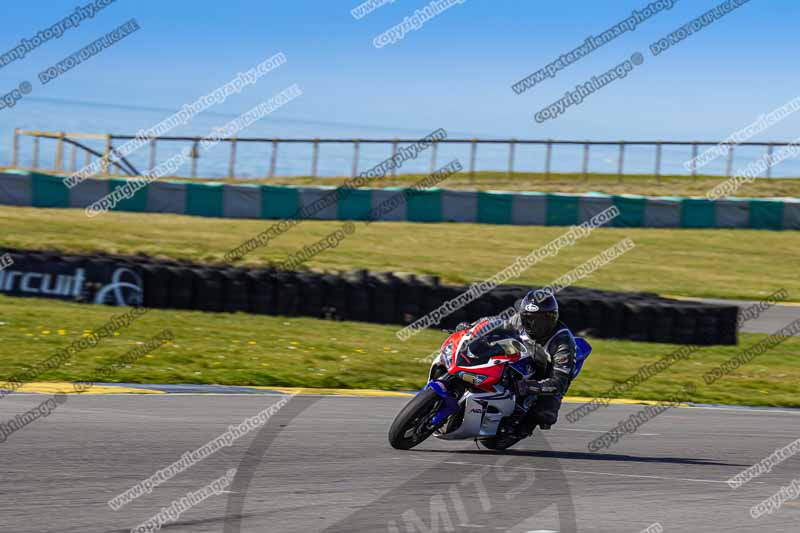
[489, 401]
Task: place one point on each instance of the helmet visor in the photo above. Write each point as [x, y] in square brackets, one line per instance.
[539, 325]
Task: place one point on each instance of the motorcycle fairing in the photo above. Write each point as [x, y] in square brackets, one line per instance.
[483, 412]
[450, 406]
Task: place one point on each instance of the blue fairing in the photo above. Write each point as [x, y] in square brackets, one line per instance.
[582, 351]
[523, 366]
[450, 404]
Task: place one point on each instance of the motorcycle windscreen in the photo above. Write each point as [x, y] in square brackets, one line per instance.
[479, 351]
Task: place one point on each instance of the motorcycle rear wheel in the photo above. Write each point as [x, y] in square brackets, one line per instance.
[500, 443]
[412, 425]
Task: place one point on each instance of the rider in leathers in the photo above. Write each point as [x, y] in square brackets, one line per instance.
[539, 328]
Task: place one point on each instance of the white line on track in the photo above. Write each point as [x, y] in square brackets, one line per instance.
[606, 431]
[610, 474]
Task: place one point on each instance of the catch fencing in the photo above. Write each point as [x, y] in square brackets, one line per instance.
[79, 143]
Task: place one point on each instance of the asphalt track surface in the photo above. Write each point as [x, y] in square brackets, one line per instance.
[324, 464]
[769, 321]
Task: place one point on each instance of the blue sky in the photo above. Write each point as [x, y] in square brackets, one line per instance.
[455, 72]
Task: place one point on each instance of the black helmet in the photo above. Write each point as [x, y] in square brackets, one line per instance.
[538, 314]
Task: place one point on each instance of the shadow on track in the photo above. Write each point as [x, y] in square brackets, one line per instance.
[545, 454]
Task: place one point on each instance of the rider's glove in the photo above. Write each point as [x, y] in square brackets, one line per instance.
[462, 326]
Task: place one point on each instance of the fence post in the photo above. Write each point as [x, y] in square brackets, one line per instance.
[394, 154]
[694, 158]
[356, 148]
[621, 162]
[769, 162]
[273, 160]
[314, 157]
[585, 165]
[729, 162]
[434, 149]
[35, 152]
[232, 162]
[87, 159]
[658, 162]
[73, 159]
[106, 156]
[511, 147]
[473, 149]
[152, 154]
[195, 156]
[547, 158]
[59, 162]
[15, 148]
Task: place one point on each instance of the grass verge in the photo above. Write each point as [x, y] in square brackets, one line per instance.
[238, 349]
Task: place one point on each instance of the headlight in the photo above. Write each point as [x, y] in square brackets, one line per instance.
[447, 354]
[469, 377]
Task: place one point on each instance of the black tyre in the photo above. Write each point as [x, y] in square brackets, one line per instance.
[412, 424]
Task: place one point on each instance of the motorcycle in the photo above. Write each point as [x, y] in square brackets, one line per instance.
[471, 389]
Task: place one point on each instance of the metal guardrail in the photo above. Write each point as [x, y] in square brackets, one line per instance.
[63, 138]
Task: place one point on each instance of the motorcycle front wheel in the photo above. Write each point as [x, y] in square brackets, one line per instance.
[412, 425]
